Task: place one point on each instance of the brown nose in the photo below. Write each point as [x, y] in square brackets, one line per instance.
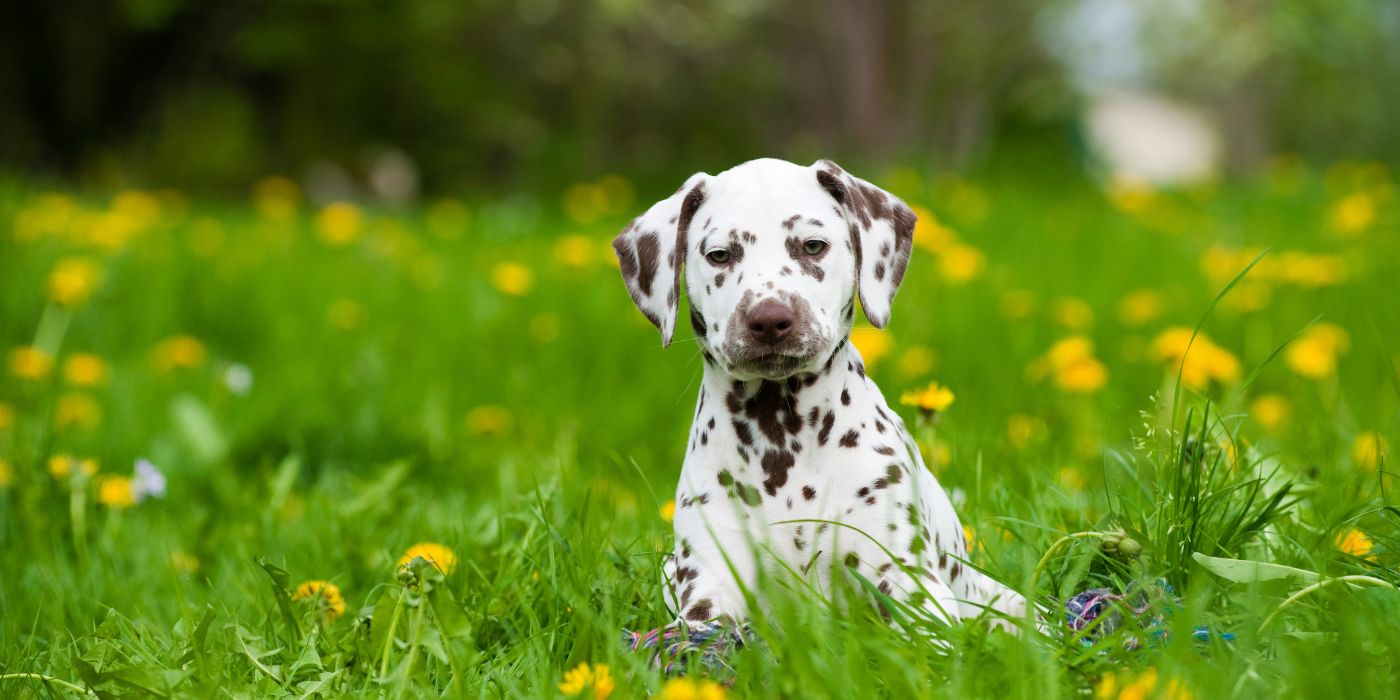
[770, 322]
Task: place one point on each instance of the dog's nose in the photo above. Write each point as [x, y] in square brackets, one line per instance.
[770, 322]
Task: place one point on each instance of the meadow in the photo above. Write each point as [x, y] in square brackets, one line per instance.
[265, 447]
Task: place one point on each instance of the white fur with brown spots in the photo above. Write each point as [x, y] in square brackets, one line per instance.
[788, 427]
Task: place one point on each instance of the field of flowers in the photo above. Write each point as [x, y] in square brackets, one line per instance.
[266, 447]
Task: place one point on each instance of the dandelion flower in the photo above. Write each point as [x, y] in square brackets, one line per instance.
[1314, 353]
[872, 344]
[488, 420]
[116, 492]
[1021, 429]
[961, 263]
[691, 689]
[1369, 450]
[339, 224]
[30, 363]
[7, 416]
[1140, 306]
[184, 561]
[575, 250]
[276, 197]
[668, 510]
[1073, 367]
[930, 399]
[61, 466]
[584, 202]
[178, 352]
[1352, 214]
[437, 555]
[76, 410]
[916, 360]
[73, 281]
[583, 676]
[1270, 411]
[85, 369]
[1200, 361]
[1072, 313]
[324, 595]
[1355, 543]
[512, 279]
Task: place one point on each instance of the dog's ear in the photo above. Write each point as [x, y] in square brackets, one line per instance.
[651, 253]
[881, 235]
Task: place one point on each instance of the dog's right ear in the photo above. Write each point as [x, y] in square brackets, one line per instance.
[651, 252]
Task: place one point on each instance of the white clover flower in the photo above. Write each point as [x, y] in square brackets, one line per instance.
[148, 481]
[239, 379]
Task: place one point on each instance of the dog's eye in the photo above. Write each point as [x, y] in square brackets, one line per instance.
[814, 246]
[718, 256]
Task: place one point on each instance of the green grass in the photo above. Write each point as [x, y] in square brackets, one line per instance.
[364, 432]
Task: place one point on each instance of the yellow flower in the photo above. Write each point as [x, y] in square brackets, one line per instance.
[584, 202]
[617, 193]
[1201, 364]
[1110, 687]
[7, 416]
[339, 224]
[575, 250]
[6, 473]
[437, 555]
[1355, 543]
[325, 596]
[184, 561]
[73, 281]
[116, 492]
[512, 278]
[970, 536]
[1070, 478]
[30, 363]
[872, 344]
[961, 263]
[345, 314]
[85, 369]
[930, 399]
[488, 420]
[1352, 214]
[1370, 450]
[178, 352]
[60, 466]
[1314, 353]
[668, 510]
[916, 360]
[77, 411]
[690, 689]
[1072, 313]
[930, 234]
[1073, 366]
[1140, 306]
[1270, 410]
[1131, 196]
[448, 219]
[276, 197]
[583, 676]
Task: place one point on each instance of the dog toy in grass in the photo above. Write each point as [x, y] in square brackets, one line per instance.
[1099, 611]
[674, 645]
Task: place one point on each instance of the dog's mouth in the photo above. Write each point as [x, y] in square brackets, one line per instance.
[772, 365]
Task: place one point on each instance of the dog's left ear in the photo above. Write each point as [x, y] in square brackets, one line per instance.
[881, 235]
[651, 253]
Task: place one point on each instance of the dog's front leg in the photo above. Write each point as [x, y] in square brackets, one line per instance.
[712, 567]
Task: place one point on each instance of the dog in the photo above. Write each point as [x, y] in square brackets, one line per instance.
[788, 429]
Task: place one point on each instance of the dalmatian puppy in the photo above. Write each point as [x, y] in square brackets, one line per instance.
[788, 428]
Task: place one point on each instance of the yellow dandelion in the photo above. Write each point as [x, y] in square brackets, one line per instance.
[276, 197]
[178, 352]
[437, 555]
[930, 234]
[961, 263]
[85, 369]
[970, 537]
[916, 360]
[184, 561]
[75, 410]
[1355, 543]
[324, 595]
[1071, 478]
[583, 676]
[1021, 429]
[1369, 450]
[1270, 411]
[7, 416]
[1140, 307]
[1200, 361]
[61, 466]
[116, 492]
[339, 224]
[617, 193]
[1072, 313]
[575, 250]
[345, 314]
[930, 399]
[488, 420]
[690, 689]
[668, 510]
[1314, 353]
[584, 202]
[30, 363]
[73, 281]
[1072, 366]
[871, 343]
[512, 279]
[1352, 214]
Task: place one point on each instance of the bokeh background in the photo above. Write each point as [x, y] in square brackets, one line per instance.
[311, 282]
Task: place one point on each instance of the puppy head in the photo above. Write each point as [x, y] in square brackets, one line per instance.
[773, 256]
